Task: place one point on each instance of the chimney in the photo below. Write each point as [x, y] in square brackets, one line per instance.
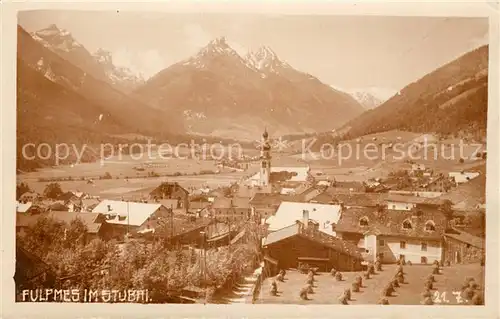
[305, 218]
[109, 208]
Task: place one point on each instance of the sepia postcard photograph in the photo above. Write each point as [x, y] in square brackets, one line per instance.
[219, 158]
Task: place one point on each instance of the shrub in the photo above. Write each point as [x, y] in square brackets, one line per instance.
[333, 272]
[371, 269]
[383, 301]
[428, 301]
[355, 287]
[435, 270]
[388, 290]
[343, 300]
[473, 285]
[395, 283]
[401, 279]
[428, 285]
[468, 293]
[359, 280]
[426, 293]
[310, 289]
[477, 299]
[347, 293]
[400, 269]
[338, 276]
[303, 293]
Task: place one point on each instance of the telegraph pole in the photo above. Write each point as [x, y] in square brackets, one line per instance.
[203, 262]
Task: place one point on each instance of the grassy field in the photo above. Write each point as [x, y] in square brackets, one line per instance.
[328, 290]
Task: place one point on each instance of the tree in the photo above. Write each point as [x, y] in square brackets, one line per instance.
[44, 236]
[447, 209]
[21, 189]
[53, 190]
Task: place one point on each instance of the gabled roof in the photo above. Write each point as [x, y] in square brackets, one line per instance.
[467, 238]
[390, 222]
[29, 194]
[29, 266]
[289, 212]
[88, 219]
[352, 199]
[270, 199]
[415, 200]
[167, 188]
[134, 214]
[23, 207]
[226, 202]
[319, 237]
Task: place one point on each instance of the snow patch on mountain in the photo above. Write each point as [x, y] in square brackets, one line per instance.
[265, 60]
[370, 97]
[117, 74]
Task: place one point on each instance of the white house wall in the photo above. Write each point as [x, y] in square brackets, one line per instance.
[413, 252]
[400, 206]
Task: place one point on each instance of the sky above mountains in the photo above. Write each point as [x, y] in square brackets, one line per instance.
[344, 51]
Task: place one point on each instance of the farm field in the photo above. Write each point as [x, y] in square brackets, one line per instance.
[328, 289]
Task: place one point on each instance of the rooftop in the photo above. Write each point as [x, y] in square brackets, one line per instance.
[314, 235]
[352, 199]
[226, 202]
[390, 222]
[415, 200]
[467, 238]
[88, 219]
[289, 212]
[23, 207]
[134, 214]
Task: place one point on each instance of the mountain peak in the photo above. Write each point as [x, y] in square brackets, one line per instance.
[103, 56]
[56, 38]
[217, 46]
[265, 59]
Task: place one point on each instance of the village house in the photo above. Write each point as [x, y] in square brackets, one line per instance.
[426, 194]
[31, 272]
[30, 197]
[230, 209]
[178, 195]
[178, 231]
[199, 203]
[131, 217]
[303, 243]
[92, 221]
[414, 235]
[462, 177]
[462, 247]
[89, 203]
[348, 200]
[439, 184]
[407, 203]
[289, 212]
[28, 208]
[264, 205]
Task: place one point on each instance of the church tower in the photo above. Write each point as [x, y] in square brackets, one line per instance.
[265, 159]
